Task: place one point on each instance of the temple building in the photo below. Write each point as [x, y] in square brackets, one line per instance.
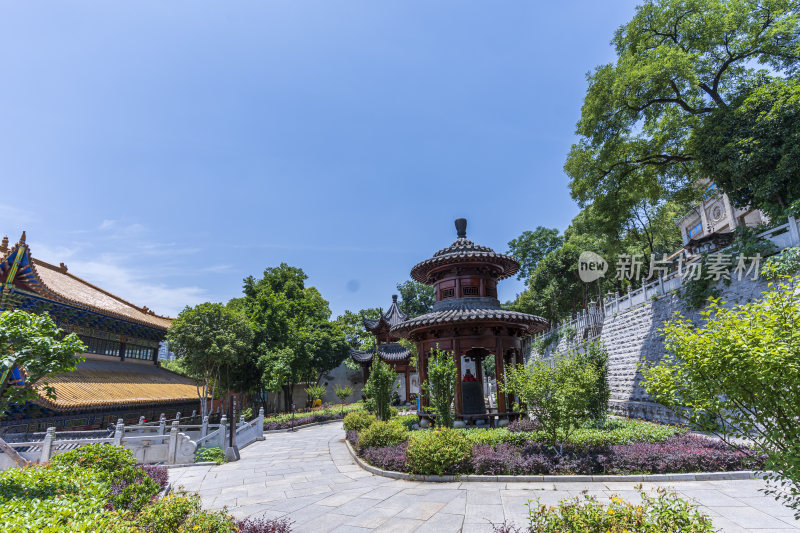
[120, 377]
[390, 351]
[468, 321]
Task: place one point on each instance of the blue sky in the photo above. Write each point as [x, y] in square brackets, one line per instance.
[166, 150]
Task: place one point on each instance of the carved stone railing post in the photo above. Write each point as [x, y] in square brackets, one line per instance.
[119, 432]
[141, 420]
[162, 425]
[172, 446]
[204, 427]
[260, 426]
[47, 445]
[223, 426]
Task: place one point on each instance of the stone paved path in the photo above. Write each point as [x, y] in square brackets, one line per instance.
[310, 477]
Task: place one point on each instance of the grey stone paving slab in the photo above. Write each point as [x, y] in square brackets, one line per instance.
[309, 477]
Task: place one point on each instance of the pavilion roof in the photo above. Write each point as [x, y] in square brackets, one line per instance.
[389, 319]
[56, 283]
[113, 383]
[464, 250]
[467, 314]
[392, 352]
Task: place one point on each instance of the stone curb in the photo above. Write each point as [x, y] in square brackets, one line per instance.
[268, 432]
[185, 465]
[699, 476]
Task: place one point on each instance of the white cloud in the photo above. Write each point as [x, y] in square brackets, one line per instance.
[107, 224]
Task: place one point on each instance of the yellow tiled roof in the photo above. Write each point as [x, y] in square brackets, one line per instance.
[98, 383]
[74, 289]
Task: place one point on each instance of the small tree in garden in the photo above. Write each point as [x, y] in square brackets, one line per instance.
[594, 355]
[34, 343]
[558, 397]
[343, 392]
[315, 392]
[379, 388]
[441, 385]
[738, 375]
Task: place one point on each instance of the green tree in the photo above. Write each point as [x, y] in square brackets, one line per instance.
[415, 298]
[736, 374]
[751, 149]
[315, 392]
[558, 397]
[209, 338]
[594, 355]
[352, 326]
[530, 247]
[294, 339]
[677, 62]
[379, 388]
[441, 385]
[343, 392]
[36, 345]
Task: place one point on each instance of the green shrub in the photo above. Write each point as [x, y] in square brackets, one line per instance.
[379, 388]
[439, 451]
[315, 392]
[285, 417]
[358, 421]
[381, 433]
[663, 512]
[407, 420]
[559, 398]
[441, 385]
[209, 522]
[215, 454]
[785, 264]
[169, 513]
[595, 355]
[103, 458]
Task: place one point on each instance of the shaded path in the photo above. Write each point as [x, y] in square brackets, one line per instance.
[310, 477]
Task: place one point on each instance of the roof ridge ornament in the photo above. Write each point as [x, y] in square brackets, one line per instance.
[22, 239]
[461, 228]
[4, 244]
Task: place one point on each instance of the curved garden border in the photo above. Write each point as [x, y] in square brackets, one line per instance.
[699, 476]
[301, 426]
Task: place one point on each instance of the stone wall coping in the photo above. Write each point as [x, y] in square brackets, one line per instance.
[698, 476]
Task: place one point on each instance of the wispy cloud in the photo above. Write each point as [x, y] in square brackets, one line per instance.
[314, 248]
[113, 255]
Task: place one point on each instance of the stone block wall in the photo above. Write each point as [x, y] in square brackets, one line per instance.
[633, 335]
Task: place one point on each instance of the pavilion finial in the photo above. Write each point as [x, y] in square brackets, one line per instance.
[22, 239]
[394, 298]
[461, 228]
[4, 244]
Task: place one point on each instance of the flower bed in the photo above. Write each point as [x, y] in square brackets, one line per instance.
[319, 414]
[101, 488]
[625, 447]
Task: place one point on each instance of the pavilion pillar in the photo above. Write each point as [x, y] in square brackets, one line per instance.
[457, 355]
[499, 372]
[408, 385]
[422, 358]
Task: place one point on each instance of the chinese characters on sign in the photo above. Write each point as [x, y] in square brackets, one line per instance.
[716, 267]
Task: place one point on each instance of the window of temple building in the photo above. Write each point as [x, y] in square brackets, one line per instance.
[447, 293]
[101, 346]
[134, 351]
[470, 291]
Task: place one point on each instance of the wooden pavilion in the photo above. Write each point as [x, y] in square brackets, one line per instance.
[388, 349]
[467, 318]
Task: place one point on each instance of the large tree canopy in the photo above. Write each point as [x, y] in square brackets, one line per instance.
[415, 298]
[677, 61]
[352, 325]
[751, 150]
[530, 247]
[293, 337]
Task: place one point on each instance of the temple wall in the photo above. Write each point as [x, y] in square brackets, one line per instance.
[633, 334]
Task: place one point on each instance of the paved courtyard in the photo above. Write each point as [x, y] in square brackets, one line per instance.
[310, 477]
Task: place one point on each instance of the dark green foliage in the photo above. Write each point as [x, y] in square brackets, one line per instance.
[415, 298]
[379, 388]
[751, 149]
[530, 247]
[34, 343]
[595, 356]
[441, 385]
[697, 289]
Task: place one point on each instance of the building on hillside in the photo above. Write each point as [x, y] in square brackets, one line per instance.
[120, 377]
[709, 226]
[390, 351]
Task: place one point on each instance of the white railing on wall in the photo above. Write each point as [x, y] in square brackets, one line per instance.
[587, 324]
[151, 443]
